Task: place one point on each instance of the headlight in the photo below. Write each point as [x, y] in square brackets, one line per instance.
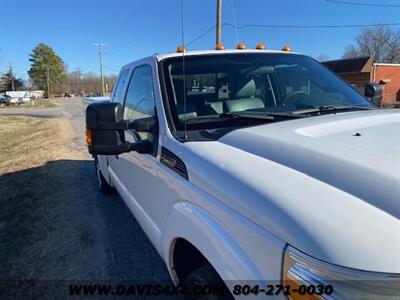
[315, 279]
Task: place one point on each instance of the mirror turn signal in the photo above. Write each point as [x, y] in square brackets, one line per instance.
[88, 137]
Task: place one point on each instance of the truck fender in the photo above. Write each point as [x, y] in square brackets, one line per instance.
[197, 226]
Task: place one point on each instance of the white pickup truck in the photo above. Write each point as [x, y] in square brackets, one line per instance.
[258, 169]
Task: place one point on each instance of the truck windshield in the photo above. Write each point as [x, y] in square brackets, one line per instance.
[217, 85]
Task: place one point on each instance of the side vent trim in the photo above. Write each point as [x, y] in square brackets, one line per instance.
[173, 162]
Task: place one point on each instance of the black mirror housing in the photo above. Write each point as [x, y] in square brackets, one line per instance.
[105, 130]
[104, 134]
[373, 91]
[103, 115]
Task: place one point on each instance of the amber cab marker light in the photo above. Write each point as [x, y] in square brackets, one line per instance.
[260, 46]
[286, 48]
[219, 47]
[180, 49]
[241, 46]
[88, 137]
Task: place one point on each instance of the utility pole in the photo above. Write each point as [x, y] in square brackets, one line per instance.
[81, 80]
[100, 46]
[12, 77]
[46, 74]
[219, 23]
[48, 81]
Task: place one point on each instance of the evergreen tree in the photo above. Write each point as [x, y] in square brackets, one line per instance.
[10, 83]
[47, 70]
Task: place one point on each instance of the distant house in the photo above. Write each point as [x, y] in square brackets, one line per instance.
[362, 70]
[25, 96]
[18, 96]
[37, 94]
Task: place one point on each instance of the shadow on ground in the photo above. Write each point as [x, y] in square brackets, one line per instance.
[55, 225]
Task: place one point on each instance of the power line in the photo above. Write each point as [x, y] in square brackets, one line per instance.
[235, 21]
[111, 68]
[287, 27]
[310, 26]
[363, 4]
[201, 35]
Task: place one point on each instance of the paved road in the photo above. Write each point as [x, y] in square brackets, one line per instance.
[67, 230]
[51, 112]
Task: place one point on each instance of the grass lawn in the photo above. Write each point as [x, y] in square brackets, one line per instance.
[28, 142]
[36, 103]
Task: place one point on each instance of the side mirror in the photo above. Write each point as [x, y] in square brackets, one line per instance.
[105, 130]
[373, 91]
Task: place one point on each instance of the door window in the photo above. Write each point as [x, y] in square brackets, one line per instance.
[119, 87]
[139, 100]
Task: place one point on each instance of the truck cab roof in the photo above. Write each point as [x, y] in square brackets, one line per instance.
[162, 56]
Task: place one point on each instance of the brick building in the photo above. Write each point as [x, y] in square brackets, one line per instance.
[360, 71]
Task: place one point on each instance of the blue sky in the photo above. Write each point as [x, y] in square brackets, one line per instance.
[136, 28]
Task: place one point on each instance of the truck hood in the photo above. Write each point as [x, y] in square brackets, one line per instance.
[327, 185]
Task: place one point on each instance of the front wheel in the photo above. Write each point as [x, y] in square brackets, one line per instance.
[104, 186]
[205, 283]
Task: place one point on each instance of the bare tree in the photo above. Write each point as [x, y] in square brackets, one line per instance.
[1, 77]
[84, 83]
[381, 42]
[393, 55]
[352, 52]
[1, 58]
[322, 57]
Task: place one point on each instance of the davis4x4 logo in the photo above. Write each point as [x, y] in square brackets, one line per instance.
[142, 290]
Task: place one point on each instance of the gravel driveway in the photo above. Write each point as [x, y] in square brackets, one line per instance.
[61, 228]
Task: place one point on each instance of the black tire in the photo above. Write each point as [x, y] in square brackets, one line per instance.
[206, 277]
[103, 185]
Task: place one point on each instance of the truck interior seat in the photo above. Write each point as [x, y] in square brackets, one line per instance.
[180, 107]
[244, 98]
[216, 106]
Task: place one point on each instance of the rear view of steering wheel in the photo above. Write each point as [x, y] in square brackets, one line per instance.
[289, 98]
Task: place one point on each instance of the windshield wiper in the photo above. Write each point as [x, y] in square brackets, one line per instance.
[243, 115]
[259, 115]
[330, 108]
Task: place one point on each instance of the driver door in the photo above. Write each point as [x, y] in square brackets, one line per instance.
[136, 175]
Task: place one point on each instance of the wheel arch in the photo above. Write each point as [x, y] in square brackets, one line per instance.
[190, 227]
[181, 251]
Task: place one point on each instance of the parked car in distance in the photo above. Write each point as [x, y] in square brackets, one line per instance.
[5, 100]
[93, 95]
[255, 167]
[69, 95]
